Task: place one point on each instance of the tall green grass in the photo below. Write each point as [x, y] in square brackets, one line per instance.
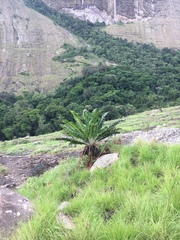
[136, 198]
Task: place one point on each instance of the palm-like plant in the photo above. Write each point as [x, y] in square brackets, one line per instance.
[89, 131]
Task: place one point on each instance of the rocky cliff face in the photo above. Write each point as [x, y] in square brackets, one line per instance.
[152, 21]
[136, 8]
[28, 41]
[161, 25]
[78, 4]
[131, 9]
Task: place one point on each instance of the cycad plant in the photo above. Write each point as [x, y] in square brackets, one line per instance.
[89, 131]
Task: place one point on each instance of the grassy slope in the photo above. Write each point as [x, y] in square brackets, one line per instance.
[46, 143]
[136, 198]
[168, 117]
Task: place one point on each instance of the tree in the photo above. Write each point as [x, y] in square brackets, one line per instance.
[89, 131]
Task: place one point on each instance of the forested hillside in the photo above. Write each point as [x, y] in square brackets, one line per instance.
[136, 77]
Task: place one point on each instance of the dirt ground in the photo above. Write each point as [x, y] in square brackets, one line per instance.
[19, 168]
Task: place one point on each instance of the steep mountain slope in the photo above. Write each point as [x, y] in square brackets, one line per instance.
[152, 21]
[162, 29]
[28, 41]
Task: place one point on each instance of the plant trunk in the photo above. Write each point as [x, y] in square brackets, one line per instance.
[92, 152]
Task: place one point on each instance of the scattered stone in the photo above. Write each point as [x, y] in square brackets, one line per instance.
[64, 219]
[105, 161]
[154, 112]
[27, 137]
[63, 206]
[14, 209]
[15, 141]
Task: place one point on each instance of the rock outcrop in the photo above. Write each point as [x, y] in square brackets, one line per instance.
[28, 41]
[130, 9]
[14, 209]
[152, 21]
[158, 24]
[162, 135]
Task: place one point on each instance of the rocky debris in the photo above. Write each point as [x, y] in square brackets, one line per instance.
[105, 161]
[163, 135]
[14, 209]
[22, 167]
[64, 219]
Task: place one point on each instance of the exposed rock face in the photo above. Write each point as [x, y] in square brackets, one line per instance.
[153, 21]
[116, 10]
[161, 25]
[131, 9]
[79, 4]
[14, 209]
[28, 41]
[166, 135]
[135, 8]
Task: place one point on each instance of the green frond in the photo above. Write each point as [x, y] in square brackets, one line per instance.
[72, 140]
[78, 121]
[72, 129]
[89, 129]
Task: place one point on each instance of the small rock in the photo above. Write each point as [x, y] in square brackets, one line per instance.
[105, 161]
[63, 206]
[15, 141]
[65, 220]
[27, 137]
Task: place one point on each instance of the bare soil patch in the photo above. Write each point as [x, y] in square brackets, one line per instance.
[19, 168]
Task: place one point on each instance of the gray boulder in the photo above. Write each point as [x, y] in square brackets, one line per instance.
[64, 219]
[14, 208]
[105, 161]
